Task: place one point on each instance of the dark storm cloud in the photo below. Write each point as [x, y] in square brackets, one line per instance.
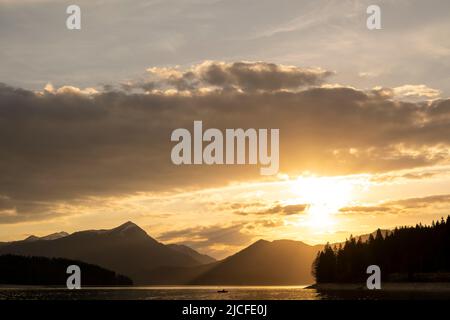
[66, 146]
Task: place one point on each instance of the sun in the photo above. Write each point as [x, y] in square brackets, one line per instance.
[324, 196]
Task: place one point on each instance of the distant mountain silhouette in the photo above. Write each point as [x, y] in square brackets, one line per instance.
[202, 258]
[53, 236]
[30, 238]
[20, 270]
[126, 249]
[280, 262]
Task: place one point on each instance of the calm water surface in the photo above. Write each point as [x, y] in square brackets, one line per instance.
[162, 293]
[207, 293]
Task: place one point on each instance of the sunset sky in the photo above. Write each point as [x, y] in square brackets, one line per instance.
[86, 117]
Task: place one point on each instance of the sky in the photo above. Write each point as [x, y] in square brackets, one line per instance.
[86, 117]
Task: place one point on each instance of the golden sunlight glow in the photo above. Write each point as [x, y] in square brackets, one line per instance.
[325, 196]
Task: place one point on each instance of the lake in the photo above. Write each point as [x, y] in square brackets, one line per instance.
[210, 293]
[162, 293]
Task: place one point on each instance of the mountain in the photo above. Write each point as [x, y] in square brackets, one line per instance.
[20, 270]
[52, 236]
[280, 262]
[30, 238]
[127, 249]
[202, 258]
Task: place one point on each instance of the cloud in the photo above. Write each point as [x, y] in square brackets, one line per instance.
[421, 202]
[236, 76]
[422, 173]
[286, 210]
[365, 209]
[12, 211]
[60, 146]
[49, 88]
[414, 50]
[239, 205]
[416, 91]
[206, 236]
[426, 204]
[221, 239]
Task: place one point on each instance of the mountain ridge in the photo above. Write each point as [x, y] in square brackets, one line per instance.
[126, 249]
[279, 262]
[52, 236]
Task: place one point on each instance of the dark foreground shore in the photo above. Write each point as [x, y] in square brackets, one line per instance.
[387, 286]
[388, 291]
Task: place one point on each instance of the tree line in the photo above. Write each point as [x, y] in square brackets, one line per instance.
[404, 254]
[25, 270]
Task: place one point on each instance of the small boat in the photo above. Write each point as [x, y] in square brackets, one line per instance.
[222, 291]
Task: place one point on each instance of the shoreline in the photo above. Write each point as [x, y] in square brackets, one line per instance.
[156, 287]
[386, 286]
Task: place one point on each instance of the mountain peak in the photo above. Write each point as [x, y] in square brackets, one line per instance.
[31, 238]
[260, 242]
[128, 228]
[127, 225]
